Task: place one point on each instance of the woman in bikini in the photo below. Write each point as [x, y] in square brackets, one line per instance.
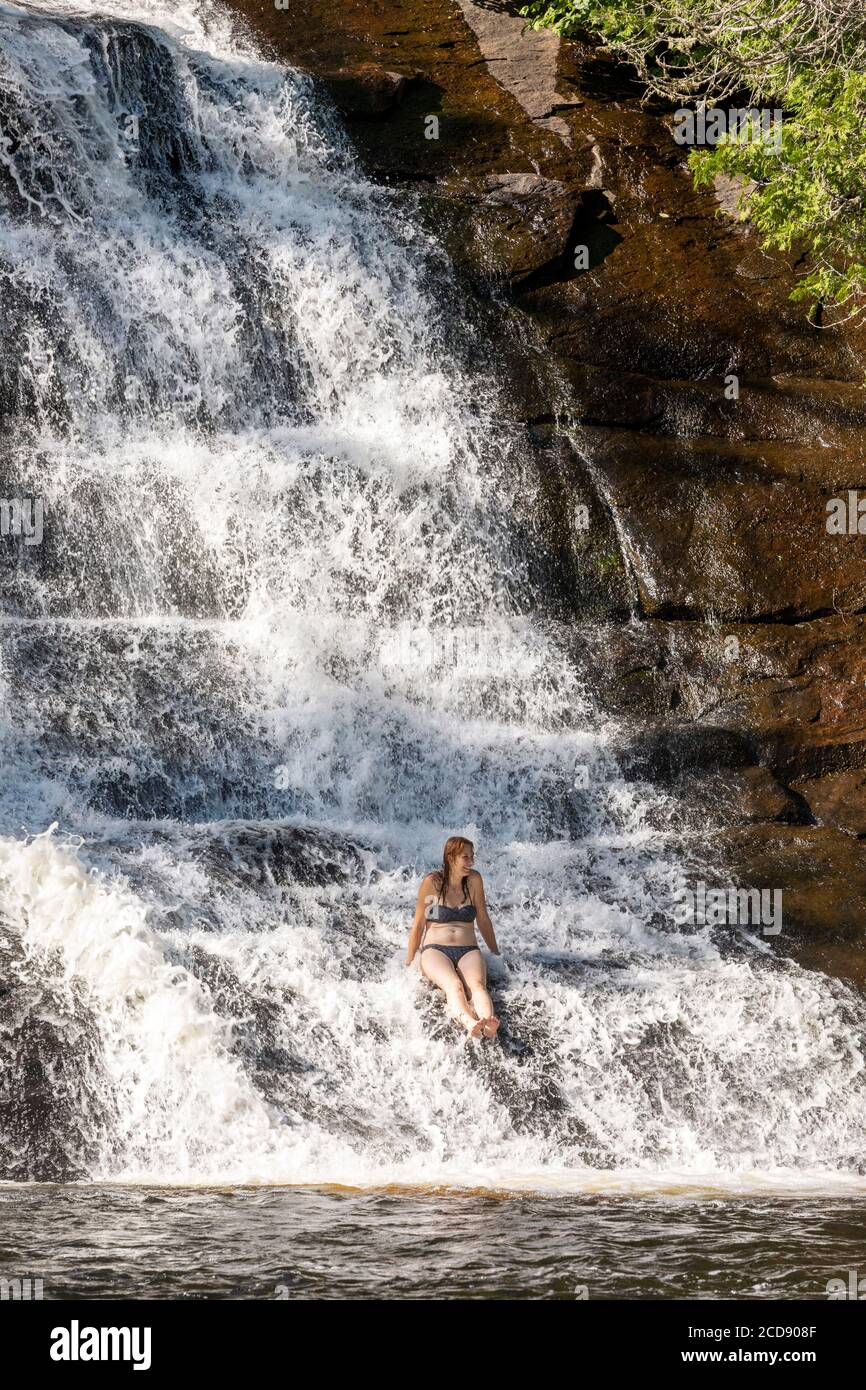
[444, 929]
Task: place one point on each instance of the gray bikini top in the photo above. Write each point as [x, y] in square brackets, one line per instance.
[441, 912]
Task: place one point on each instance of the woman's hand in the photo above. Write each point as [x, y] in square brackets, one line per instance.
[485, 926]
[416, 932]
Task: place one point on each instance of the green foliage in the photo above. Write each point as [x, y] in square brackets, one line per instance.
[570, 17]
[804, 192]
[811, 193]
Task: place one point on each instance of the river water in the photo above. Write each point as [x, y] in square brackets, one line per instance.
[279, 1244]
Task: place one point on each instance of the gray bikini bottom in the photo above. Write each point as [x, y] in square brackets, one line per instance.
[454, 953]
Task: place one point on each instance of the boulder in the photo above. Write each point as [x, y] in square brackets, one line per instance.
[366, 90]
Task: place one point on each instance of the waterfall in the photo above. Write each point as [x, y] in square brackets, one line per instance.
[286, 630]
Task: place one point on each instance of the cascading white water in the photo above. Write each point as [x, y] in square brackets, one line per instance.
[281, 638]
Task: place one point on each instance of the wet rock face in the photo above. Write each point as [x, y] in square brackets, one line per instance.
[710, 526]
[51, 1100]
[837, 799]
[822, 875]
[710, 423]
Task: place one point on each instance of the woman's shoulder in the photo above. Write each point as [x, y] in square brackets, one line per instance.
[431, 880]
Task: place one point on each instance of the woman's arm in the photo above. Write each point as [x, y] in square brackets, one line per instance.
[417, 928]
[485, 926]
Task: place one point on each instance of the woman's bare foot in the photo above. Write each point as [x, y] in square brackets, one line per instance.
[473, 1026]
[490, 1026]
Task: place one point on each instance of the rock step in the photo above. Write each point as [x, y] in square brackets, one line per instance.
[797, 410]
[790, 699]
[733, 532]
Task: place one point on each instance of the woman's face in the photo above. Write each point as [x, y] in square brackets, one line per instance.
[464, 861]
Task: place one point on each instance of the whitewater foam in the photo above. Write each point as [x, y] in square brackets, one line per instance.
[281, 638]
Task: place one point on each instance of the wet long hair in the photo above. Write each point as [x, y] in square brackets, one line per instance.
[457, 844]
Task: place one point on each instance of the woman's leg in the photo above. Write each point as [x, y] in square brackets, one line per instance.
[438, 968]
[473, 968]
